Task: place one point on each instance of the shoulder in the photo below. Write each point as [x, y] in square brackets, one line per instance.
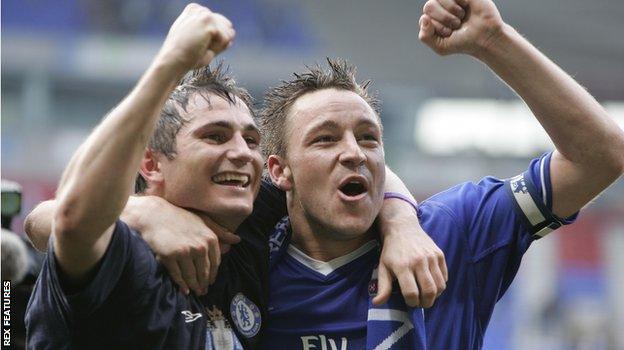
[466, 198]
[125, 266]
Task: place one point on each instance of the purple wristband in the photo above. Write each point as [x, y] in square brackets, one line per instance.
[402, 197]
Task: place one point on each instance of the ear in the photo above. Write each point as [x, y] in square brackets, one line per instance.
[150, 168]
[280, 172]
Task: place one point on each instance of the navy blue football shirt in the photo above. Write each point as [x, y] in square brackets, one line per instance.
[132, 303]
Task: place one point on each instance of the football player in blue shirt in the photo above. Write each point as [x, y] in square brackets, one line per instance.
[101, 286]
[326, 153]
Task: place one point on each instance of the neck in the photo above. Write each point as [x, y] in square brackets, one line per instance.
[320, 242]
[229, 223]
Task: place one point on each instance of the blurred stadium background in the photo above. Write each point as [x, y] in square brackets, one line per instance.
[66, 63]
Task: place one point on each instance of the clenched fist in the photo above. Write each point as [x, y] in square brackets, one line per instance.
[195, 38]
[459, 26]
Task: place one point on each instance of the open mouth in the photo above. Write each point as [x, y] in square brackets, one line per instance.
[231, 179]
[353, 188]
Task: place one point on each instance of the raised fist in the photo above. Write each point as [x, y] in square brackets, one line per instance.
[196, 37]
[459, 26]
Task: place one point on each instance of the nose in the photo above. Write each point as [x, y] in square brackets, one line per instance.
[239, 151]
[351, 155]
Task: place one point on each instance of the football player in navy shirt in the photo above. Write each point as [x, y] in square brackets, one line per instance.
[101, 285]
[325, 153]
[107, 290]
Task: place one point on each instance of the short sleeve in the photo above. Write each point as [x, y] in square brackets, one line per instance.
[531, 194]
[119, 259]
[496, 213]
[500, 219]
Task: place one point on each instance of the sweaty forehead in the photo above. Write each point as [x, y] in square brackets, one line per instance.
[329, 102]
[212, 106]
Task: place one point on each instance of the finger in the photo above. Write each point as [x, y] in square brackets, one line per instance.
[440, 29]
[189, 274]
[427, 286]
[214, 255]
[409, 288]
[462, 3]
[224, 235]
[223, 34]
[384, 285]
[443, 267]
[176, 274]
[438, 13]
[427, 32]
[438, 278]
[224, 248]
[208, 57]
[218, 42]
[203, 268]
[453, 7]
[227, 237]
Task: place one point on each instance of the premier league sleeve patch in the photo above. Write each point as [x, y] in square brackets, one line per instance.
[246, 315]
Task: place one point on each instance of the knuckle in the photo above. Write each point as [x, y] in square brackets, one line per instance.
[420, 261]
[448, 18]
[199, 248]
[429, 292]
[439, 253]
[180, 252]
[427, 8]
[432, 259]
[410, 295]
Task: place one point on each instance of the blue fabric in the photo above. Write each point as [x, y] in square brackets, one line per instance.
[483, 233]
[130, 303]
[308, 309]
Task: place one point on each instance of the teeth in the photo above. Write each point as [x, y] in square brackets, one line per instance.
[243, 179]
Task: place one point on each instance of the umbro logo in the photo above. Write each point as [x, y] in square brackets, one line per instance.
[190, 317]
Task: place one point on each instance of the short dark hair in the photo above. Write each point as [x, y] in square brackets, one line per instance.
[277, 102]
[202, 81]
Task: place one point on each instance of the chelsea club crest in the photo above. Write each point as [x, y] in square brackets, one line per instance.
[246, 315]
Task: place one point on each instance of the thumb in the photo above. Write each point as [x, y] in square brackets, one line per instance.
[227, 237]
[208, 56]
[384, 285]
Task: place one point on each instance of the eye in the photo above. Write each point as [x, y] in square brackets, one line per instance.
[252, 142]
[324, 139]
[214, 137]
[369, 137]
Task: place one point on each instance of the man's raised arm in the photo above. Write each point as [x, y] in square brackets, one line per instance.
[95, 187]
[590, 146]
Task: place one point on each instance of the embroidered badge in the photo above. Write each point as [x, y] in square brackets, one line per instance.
[372, 285]
[246, 315]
